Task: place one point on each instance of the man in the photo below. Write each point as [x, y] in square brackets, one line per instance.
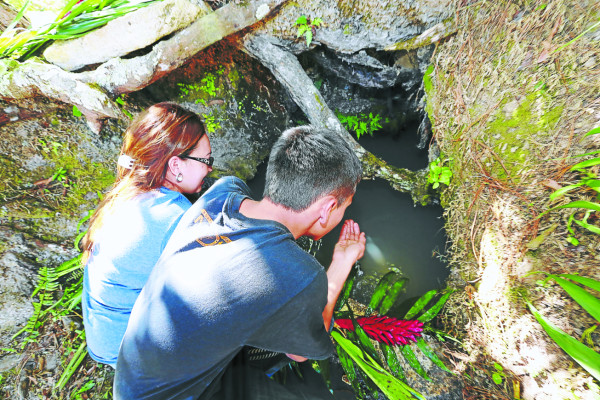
[232, 276]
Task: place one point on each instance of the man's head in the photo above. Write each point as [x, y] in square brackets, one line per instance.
[307, 163]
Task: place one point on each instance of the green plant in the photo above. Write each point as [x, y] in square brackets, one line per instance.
[498, 375]
[590, 181]
[582, 354]
[76, 111]
[208, 87]
[439, 173]
[212, 123]
[360, 124]
[366, 358]
[70, 274]
[121, 102]
[307, 27]
[76, 19]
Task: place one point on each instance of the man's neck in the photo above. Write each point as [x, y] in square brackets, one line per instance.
[296, 222]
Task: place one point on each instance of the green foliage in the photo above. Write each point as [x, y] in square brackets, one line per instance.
[74, 20]
[589, 181]
[76, 111]
[584, 355]
[212, 123]
[439, 173]
[208, 88]
[307, 27]
[360, 124]
[392, 387]
[498, 375]
[384, 297]
[67, 277]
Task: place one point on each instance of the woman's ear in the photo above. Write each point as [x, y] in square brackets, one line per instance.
[174, 163]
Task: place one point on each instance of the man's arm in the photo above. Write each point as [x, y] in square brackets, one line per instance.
[349, 248]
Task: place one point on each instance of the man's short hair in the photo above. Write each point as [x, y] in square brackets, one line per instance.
[307, 163]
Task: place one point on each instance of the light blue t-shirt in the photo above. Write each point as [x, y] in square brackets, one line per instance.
[125, 250]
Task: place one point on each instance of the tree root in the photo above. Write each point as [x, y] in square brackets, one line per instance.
[288, 71]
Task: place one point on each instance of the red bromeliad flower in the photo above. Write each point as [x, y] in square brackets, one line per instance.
[391, 331]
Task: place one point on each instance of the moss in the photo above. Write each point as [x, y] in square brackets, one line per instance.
[535, 116]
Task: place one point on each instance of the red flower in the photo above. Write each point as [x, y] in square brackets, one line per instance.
[391, 331]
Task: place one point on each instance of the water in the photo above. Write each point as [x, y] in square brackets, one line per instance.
[398, 233]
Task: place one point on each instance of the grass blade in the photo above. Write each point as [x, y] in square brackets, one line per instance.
[589, 227]
[564, 190]
[589, 282]
[18, 16]
[389, 385]
[422, 302]
[589, 303]
[585, 356]
[586, 164]
[593, 131]
[581, 204]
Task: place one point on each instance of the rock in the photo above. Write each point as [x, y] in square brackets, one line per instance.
[124, 35]
[239, 100]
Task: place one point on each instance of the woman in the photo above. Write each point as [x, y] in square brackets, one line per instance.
[165, 154]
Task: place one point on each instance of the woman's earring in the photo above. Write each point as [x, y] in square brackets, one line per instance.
[179, 177]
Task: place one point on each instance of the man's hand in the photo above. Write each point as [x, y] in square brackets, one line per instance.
[349, 248]
[351, 244]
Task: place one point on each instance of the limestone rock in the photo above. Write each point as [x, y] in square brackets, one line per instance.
[121, 36]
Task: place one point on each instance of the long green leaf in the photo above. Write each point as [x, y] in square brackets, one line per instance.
[422, 302]
[348, 367]
[589, 227]
[389, 385]
[586, 164]
[411, 358]
[581, 204]
[589, 282]
[428, 351]
[18, 16]
[589, 303]
[381, 289]
[392, 361]
[392, 296]
[593, 131]
[585, 356]
[347, 289]
[563, 190]
[364, 341]
[435, 309]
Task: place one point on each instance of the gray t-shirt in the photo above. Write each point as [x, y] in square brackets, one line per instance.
[223, 282]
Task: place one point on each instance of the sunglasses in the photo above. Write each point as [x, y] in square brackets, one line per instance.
[208, 161]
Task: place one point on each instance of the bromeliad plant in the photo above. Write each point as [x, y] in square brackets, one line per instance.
[77, 18]
[590, 181]
[355, 336]
[584, 355]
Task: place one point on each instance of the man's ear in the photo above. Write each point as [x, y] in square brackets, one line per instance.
[327, 205]
[173, 164]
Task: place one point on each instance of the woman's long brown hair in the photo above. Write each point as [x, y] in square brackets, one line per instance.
[159, 133]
